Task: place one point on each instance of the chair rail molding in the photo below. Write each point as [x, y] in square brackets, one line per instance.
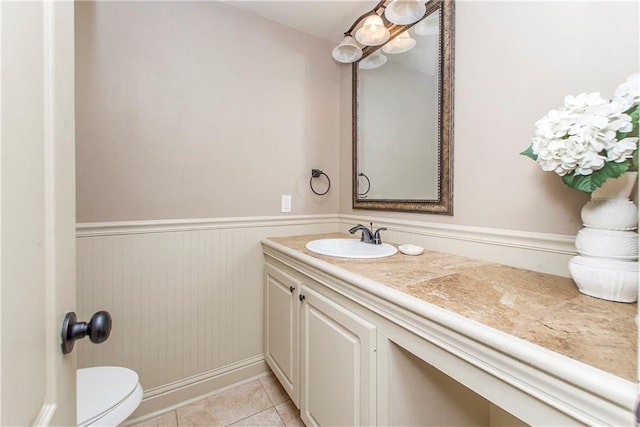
[110, 228]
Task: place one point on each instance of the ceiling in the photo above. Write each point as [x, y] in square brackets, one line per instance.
[327, 19]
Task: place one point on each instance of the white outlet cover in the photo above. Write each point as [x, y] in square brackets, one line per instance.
[286, 203]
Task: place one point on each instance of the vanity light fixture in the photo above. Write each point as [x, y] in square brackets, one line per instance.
[400, 44]
[377, 26]
[405, 12]
[347, 51]
[373, 32]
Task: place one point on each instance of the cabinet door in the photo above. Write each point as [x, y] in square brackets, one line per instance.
[281, 328]
[337, 364]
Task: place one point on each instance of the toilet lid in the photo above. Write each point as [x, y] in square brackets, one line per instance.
[101, 388]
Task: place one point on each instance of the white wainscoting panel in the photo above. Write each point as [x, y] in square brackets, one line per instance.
[185, 296]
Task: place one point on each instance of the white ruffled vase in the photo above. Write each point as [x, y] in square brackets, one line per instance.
[607, 264]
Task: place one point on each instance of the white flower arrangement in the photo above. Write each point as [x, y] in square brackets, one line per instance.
[590, 139]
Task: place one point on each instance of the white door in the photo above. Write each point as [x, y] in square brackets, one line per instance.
[37, 211]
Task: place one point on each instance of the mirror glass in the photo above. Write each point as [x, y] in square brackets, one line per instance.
[402, 121]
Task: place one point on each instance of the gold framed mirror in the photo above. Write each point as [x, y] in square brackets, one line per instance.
[402, 128]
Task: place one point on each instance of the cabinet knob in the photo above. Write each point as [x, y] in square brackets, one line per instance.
[291, 289]
[302, 297]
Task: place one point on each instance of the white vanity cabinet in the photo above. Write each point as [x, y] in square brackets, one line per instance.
[351, 351]
[337, 364]
[323, 354]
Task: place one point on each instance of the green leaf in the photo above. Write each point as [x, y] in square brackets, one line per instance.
[578, 182]
[529, 153]
[588, 183]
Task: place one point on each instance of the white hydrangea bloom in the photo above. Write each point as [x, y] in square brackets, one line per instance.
[580, 137]
[628, 93]
[622, 150]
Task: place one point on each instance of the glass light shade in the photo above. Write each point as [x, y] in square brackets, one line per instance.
[405, 12]
[428, 26]
[400, 44]
[375, 60]
[347, 51]
[373, 32]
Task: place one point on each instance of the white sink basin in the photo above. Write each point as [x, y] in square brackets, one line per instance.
[350, 248]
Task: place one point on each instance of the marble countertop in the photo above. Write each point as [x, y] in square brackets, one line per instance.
[540, 308]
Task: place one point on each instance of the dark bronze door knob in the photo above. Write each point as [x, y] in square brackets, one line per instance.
[98, 329]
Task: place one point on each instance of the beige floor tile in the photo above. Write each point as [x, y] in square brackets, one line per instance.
[274, 390]
[167, 420]
[226, 408]
[290, 414]
[268, 417]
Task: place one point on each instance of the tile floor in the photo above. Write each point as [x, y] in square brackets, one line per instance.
[262, 402]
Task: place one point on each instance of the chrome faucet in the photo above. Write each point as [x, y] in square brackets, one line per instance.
[377, 240]
[368, 235]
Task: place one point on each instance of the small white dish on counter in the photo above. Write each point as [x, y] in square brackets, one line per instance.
[411, 249]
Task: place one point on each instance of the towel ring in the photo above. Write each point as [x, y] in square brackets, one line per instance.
[364, 193]
[315, 173]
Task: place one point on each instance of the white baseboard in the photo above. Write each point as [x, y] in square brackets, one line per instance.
[169, 397]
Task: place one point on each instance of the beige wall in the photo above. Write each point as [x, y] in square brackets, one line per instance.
[182, 115]
[199, 110]
[514, 61]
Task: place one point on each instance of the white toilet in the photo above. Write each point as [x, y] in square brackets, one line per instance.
[107, 395]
